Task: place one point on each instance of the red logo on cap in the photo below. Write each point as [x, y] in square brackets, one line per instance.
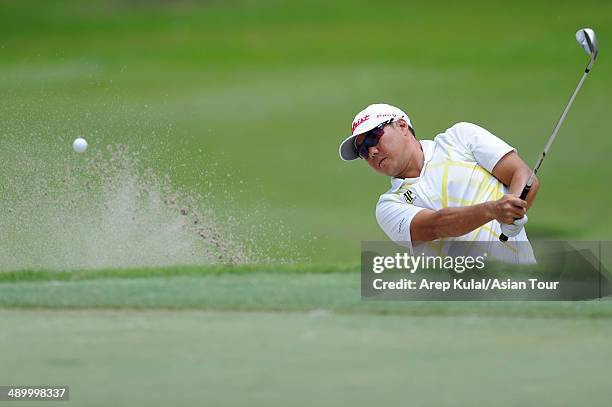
[359, 121]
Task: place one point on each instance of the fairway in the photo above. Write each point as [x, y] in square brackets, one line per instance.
[259, 336]
[254, 288]
[160, 358]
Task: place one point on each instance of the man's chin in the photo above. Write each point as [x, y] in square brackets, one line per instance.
[387, 170]
[384, 165]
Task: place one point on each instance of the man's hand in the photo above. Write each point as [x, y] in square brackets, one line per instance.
[430, 225]
[507, 209]
[515, 227]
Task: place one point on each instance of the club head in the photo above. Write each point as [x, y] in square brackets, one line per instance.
[588, 42]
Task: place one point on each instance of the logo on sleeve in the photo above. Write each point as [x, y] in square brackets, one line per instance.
[409, 196]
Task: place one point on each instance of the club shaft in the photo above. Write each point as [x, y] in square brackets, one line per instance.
[551, 139]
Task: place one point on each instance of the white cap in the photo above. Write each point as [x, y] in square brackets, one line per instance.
[365, 121]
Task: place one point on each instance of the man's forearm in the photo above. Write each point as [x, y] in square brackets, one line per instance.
[514, 173]
[453, 222]
[518, 181]
[430, 225]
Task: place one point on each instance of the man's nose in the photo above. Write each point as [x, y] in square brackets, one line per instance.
[372, 151]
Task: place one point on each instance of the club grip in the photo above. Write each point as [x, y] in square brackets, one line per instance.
[524, 194]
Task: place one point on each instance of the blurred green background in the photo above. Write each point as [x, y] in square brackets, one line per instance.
[259, 94]
[263, 91]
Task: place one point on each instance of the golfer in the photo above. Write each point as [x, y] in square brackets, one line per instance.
[463, 185]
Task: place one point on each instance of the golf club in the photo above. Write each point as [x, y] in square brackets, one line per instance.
[586, 39]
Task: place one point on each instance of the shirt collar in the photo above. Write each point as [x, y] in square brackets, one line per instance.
[428, 147]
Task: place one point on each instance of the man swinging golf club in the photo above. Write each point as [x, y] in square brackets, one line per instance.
[464, 185]
[461, 186]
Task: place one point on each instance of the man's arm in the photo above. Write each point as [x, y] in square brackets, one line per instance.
[430, 225]
[496, 156]
[513, 172]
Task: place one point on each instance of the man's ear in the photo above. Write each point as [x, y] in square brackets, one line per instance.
[412, 131]
[403, 125]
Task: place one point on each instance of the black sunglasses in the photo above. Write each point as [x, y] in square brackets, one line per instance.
[371, 139]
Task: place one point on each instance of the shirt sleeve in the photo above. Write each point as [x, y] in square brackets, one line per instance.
[486, 148]
[394, 218]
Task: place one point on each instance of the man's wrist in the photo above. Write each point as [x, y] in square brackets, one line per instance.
[489, 210]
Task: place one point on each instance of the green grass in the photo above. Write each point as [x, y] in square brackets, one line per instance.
[160, 358]
[264, 91]
[253, 288]
[266, 335]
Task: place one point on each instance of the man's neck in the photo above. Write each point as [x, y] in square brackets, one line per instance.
[415, 166]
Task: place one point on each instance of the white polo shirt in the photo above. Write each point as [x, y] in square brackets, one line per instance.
[456, 172]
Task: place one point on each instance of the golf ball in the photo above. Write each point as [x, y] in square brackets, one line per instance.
[80, 145]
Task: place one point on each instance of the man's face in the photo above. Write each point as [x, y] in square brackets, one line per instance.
[392, 155]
